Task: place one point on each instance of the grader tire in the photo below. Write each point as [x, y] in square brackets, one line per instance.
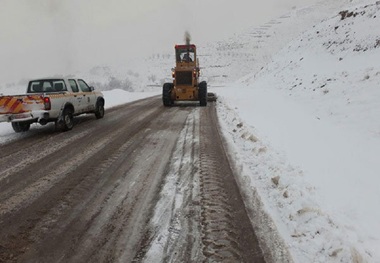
[202, 93]
[166, 94]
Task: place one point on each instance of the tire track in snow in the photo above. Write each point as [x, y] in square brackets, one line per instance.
[228, 235]
[200, 216]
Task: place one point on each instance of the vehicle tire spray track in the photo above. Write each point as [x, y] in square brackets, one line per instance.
[228, 235]
[174, 235]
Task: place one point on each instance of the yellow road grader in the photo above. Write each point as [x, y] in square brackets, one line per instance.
[186, 85]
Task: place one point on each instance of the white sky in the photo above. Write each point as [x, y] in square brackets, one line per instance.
[44, 37]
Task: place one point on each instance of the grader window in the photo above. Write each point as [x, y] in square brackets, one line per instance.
[185, 54]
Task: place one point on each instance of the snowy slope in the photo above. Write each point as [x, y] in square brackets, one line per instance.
[306, 136]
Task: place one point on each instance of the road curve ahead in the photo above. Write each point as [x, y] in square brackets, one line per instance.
[144, 183]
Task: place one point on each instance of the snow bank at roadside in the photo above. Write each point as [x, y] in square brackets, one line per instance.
[286, 194]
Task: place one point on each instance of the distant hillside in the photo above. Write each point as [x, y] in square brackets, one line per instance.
[335, 63]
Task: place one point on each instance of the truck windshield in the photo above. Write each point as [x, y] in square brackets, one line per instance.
[46, 85]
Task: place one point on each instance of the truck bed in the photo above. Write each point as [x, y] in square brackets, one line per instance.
[15, 104]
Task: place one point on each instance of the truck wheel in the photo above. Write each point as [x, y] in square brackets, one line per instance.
[68, 119]
[20, 126]
[166, 94]
[99, 111]
[202, 93]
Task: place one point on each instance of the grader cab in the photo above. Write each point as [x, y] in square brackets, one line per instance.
[186, 85]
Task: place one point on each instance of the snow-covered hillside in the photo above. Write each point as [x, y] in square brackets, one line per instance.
[299, 105]
[306, 136]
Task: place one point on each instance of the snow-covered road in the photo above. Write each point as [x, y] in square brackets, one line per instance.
[146, 183]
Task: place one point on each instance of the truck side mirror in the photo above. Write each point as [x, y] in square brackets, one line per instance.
[92, 88]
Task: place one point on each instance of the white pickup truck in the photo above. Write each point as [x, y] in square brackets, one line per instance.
[51, 100]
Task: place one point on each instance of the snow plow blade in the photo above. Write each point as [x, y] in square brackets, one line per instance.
[211, 96]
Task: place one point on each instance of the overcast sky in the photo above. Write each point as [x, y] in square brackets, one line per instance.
[44, 37]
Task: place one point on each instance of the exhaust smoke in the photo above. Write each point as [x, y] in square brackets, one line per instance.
[187, 38]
